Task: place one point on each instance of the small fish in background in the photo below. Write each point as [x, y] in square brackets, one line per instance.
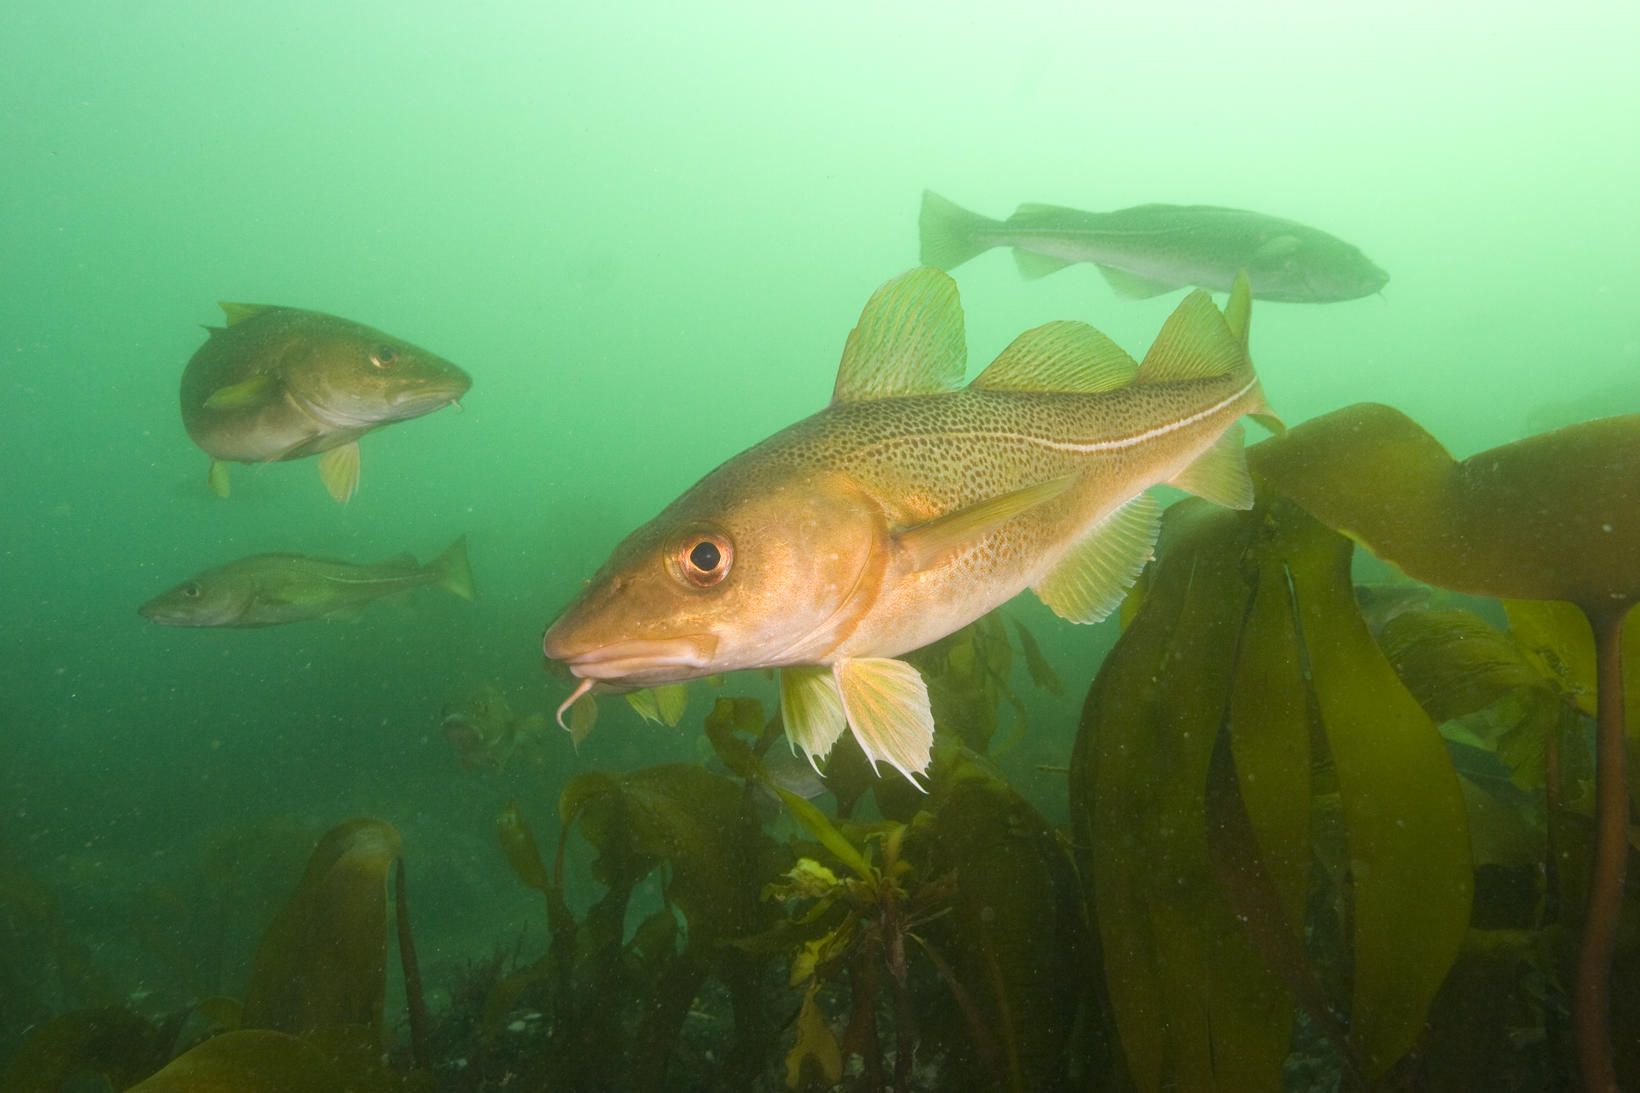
[274, 589]
[911, 506]
[486, 733]
[1151, 249]
[281, 383]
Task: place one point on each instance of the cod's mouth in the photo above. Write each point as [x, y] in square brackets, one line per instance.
[637, 663]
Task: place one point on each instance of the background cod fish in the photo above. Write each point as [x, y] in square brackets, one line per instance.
[282, 383]
[909, 507]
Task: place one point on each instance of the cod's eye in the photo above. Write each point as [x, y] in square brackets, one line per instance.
[703, 560]
[384, 356]
[191, 590]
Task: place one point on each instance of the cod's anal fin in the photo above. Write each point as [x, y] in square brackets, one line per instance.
[217, 477]
[1134, 286]
[1033, 266]
[1220, 473]
[242, 395]
[811, 710]
[1090, 581]
[339, 471]
[932, 540]
[886, 704]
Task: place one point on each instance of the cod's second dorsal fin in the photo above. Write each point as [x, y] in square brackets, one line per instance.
[909, 340]
[238, 313]
[1060, 356]
[1195, 343]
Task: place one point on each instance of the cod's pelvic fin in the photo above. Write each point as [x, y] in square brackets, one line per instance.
[339, 471]
[811, 711]
[886, 704]
[217, 478]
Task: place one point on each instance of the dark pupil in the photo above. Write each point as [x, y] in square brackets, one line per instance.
[385, 354]
[705, 557]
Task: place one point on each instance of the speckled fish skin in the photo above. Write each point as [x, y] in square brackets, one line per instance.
[890, 519]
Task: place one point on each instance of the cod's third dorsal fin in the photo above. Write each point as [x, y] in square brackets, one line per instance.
[1238, 309]
[1059, 356]
[909, 340]
[1195, 343]
[238, 313]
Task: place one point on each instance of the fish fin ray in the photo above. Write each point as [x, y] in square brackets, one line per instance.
[217, 478]
[1059, 356]
[932, 540]
[1034, 266]
[246, 393]
[949, 234]
[1220, 473]
[1090, 581]
[909, 340]
[811, 710]
[1133, 285]
[1194, 343]
[238, 313]
[339, 471]
[1238, 308]
[886, 704]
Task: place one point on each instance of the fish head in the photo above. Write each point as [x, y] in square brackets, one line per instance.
[351, 376]
[483, 718]
[1314, 268]
[210, 599]
[743, 571]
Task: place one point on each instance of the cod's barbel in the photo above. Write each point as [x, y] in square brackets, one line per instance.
[908, 508]
[282, 383]
[273, 589]
[1151, 249]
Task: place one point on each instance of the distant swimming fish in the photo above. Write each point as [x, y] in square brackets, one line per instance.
[282, 383]
[1151, 249]
[909, 507]
[485, 732]
[273, 589]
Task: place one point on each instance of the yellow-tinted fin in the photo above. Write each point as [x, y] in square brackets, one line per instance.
[583, 714]
[454, 573]
[1132, 285]
[1194, 343]
[1090, 581]
[929, 542]
[238, 396]
[909, 340]
[1034, 266]
[663, 705]
[811, 710]
[238, 313]
[886, 704]
[339, 471]
[1238, 309]
[217, 477]
[1059, 356]
[1220, 473]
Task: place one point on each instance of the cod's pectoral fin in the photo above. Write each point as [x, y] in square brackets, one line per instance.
[339, 471]
[1277, 246]
[1062, 356]
[811, 710]
[1220, 473]
[886, 704]
[238, 313]
[909, 340]
[1090, 581]
[1196, 342]
[246, 393]
[217, 478]
[932, 540]
[1133, 285]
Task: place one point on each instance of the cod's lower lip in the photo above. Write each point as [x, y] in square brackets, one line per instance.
[627, 658]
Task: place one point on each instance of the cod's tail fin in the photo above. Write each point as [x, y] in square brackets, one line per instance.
[454, 574]
[950, 234]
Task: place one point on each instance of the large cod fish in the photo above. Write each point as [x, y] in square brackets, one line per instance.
[1151, 249]
[910, 507]
[283, 383]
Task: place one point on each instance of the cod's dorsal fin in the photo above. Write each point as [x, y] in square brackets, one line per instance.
[238, 313]
[339, 471]
[1033, 266]
[811, 710]
[1238, 309]
[909, 340]
[1195, 343]
[1133, 285]
[886, 704]
[1090, 581]
[1220, 473]
[1059, 356]
[928, 542]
